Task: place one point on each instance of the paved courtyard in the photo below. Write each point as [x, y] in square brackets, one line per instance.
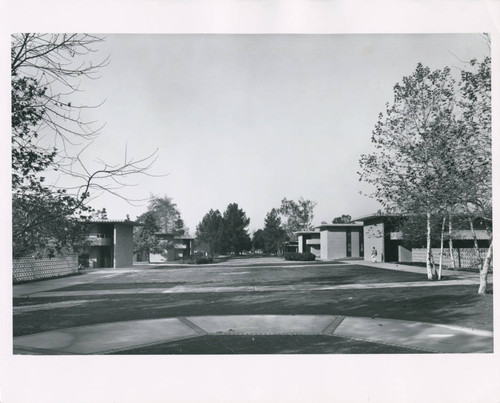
[260, 305]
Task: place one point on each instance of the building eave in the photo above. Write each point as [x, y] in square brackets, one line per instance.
[339, 225]
[373, 216]
[123, 222]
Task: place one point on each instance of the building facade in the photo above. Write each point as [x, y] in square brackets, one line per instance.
[341, 241]
[111, 244]
[179, 247]
[333, 241]
[309, 242]
[382, 232]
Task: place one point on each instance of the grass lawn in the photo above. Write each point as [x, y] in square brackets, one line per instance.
[269, 345]
[255, 276]
[454, 305]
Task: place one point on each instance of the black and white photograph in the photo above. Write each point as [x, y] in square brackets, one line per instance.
[181, 200]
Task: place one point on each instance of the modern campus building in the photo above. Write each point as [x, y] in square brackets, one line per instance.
[333, 241]
[110, 244]
[383, 232]
[179, 247]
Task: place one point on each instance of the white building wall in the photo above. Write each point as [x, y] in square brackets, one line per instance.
[355, 235]
[315, 249]
[333, 244]
[123, 246]
[301, 243]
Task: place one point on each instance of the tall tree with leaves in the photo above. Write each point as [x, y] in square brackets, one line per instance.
[235, 235]
[475, 91]
[145, 236]
[209, 233]
[166, 213]
[258, 241]
[162, 217]
[411, 140]
[343, 219]
[273, 233]
[298, 215]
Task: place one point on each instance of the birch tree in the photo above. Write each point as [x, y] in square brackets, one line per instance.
[411, 139]
[475, 91]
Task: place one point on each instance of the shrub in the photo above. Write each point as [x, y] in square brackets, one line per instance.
[204, 260]
[197, 260]
[296, 256]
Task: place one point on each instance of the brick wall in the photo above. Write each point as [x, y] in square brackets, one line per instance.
[28, 268]
[464, 257]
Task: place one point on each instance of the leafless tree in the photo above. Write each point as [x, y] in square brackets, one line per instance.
[50, 133]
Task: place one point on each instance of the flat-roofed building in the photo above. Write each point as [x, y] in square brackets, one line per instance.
[111, 244]
[333, 241]
[309, 241]
[341, 240]
[179, 247]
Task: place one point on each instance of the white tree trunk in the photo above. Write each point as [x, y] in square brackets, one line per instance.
[430, 274]
[483, 273]
[450, 243]
[440, 271]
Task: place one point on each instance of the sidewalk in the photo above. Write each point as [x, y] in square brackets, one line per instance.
[87, 276]
[119, 336]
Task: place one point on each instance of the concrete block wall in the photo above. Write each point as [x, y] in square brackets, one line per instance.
[464, 257]
[404, 255]
[123, 246]
[28, 268]
[333, 244]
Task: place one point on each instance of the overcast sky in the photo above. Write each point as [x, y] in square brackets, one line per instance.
[252, 119]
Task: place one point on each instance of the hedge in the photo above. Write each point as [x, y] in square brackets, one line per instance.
[296, 256]
[197, 260]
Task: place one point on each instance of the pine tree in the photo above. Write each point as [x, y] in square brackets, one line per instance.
[209, 233]
[235, 235]
[273, 234]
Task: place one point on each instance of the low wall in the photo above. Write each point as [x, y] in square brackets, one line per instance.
[464, 257]
[405, 255]
[29, 268]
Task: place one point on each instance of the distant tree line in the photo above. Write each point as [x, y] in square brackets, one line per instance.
[281, 225]
[224, 233]
[227, 233]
